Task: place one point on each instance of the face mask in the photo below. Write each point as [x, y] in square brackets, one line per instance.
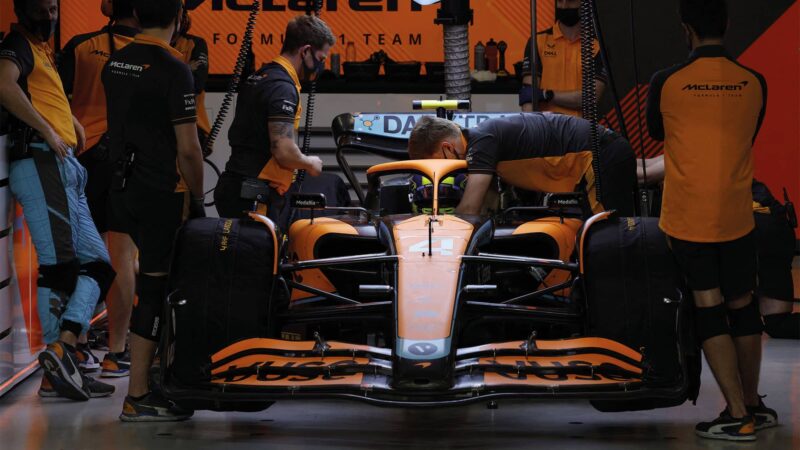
[313, 72]
[43, 28]
[568, 16]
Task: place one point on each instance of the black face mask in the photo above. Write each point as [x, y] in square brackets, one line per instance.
[313, 72]
[568, 16]
[43, 28]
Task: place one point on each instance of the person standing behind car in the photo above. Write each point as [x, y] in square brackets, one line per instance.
[262, 136]
[47, 180]
[80, 66]
[707, 206]
[195, 54]
[559, 65]
[153, 140]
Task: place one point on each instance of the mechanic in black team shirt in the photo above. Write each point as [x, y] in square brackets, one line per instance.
[262, 136]
[542, 152]
[153, 139]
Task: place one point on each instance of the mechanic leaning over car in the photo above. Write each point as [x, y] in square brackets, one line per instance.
[542, 152]
[262, 136]
[559, 65]
[48, 181]
[707, 209]
[158, 178]
[80, 66]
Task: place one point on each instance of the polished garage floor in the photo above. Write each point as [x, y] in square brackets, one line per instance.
[28, 422]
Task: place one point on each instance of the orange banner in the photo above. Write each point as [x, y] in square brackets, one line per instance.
[403, 30]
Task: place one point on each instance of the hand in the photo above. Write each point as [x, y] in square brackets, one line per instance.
[526, 95]
[57, 144]
[314, 166]
[81, 134]
[197, 208]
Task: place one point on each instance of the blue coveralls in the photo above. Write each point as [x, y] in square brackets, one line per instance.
[51, 192]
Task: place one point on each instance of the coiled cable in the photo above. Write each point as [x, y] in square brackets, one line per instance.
[588, 91]
[233, 88]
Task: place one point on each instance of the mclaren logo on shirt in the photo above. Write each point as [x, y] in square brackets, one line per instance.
[127, 70]
[715, 87]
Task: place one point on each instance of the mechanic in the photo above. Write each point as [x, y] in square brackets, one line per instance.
[775, 241]
[47, 180]
[262, 136]
[153, 141]
[559, 65]
[195, 53]
[542, 152]
[80, 65]
[707, 206]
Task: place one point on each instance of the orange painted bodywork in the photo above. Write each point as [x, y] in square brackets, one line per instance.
[564, 235]
[426, 300]
[563, 344]
[303, 235]
[591, 221]
[555, 361]
[271, 227]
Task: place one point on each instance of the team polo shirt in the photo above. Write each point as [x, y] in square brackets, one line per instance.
[80, 67]
[543, 152]
[272, 94]
[149, 90]
[708, 111]
[40, 82]
[194, 48]
[559, 65]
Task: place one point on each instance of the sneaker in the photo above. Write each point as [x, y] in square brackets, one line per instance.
[96, 388]
[765, 417]
[116, 365]
[61, 368]
[87, 361]
[727, 428]
[152, 408]
[46, 389]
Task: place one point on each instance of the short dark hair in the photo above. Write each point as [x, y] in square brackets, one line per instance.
[123, 9]
[428, 134]
[708, 18]
[306, 30]
[156, 13]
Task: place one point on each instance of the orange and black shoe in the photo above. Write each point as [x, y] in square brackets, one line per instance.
[96, 388]
[728, 428]
[765, 417]
[116, 365]
[61, 368]
[87, 361]
[153, 407]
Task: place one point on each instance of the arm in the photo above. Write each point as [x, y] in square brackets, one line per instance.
[190, 158]
[573, 99]
[655, 121]
[655, 170]
[198, 63]
[472, 201]
[80, 133]
[14, 100]
[285, 150]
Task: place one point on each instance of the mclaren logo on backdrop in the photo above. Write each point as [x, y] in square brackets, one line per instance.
[715, 87]
[300, 5]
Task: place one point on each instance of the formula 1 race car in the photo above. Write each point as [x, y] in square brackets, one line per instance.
[394, 303]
